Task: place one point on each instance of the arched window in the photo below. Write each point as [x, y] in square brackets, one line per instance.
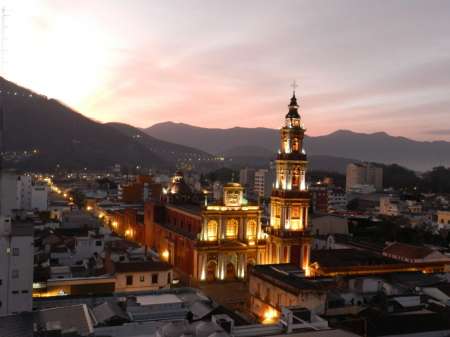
[295, 144]
[232, 229]
[296, 179]
[211, 231]
[251, 230]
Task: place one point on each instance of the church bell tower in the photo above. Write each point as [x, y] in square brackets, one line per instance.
[289, 240]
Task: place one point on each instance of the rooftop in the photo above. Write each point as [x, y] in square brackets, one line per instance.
[290, 277]
[136, 267]
[407, 251]
[348, 258]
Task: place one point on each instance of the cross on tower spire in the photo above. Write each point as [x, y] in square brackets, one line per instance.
[294, 86]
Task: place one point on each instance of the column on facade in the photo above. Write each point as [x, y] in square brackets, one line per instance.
[304, 264]
[278, 252]
[306, 218]
[242, 265]
[202, 260]
[281, 258]
[303, 214]
[221, 266]
[241, 234]
[220, 234]
[288, 211]
[204, 233]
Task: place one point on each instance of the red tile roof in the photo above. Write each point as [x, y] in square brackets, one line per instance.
[407, 251]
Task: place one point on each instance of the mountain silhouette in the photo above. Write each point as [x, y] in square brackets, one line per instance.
[57, 135]
[376, 147]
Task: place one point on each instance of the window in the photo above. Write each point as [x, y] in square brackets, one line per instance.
[16, 251]
[98, 243]
[1, 281]
[154, 278]
[251, 230]
[212, 230]
[232, 229]
[142, 278]
[169, 278]
[15, 273]
[295, 146]
[121, 258]
[129, 280]
[24, 291]
[15, 292]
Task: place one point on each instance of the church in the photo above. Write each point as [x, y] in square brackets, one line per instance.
[220, 241]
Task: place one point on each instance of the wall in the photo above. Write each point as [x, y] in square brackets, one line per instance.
[8, 195]
[142, 281]
[264, 294]
[16, 274]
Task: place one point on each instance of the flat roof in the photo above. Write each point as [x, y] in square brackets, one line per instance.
[158, 299]
[289, 277]
[348, 257]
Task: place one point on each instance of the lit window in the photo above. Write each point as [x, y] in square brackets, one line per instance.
[232, 229]
[212, 230]
[251, 230]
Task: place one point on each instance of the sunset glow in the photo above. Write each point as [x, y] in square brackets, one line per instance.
[225, 64]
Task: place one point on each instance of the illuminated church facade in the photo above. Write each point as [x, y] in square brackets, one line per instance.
[219, 241]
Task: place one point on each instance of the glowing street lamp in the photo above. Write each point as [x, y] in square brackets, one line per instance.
[270, 315]
[165, 255]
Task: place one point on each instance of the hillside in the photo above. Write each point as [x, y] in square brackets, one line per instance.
[377, 147]
[215, 140]
[55, 135]
[169, 151]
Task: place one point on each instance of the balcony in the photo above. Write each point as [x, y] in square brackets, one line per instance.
[288, 234]
[291, 194]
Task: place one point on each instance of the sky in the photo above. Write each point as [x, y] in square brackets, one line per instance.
[361, 65]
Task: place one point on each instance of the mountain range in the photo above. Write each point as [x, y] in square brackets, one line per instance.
[55, 134]
[58, 135]
[263, 142]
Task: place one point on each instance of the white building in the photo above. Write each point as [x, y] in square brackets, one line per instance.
[443, 219]
[389, 206]
[361, 189]
[31, 196]
[337, 199]
[39, 197]
[247, 178]
[393, 206]
[363, 174]
[8, 193]
[262, 186]
[16, 267]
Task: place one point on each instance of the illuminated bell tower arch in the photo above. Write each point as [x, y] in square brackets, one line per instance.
[289, 240]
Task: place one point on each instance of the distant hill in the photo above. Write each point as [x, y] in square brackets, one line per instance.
[169, 151]
[377, 147]
[60, 135]
[259, 156]
[215, 140]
